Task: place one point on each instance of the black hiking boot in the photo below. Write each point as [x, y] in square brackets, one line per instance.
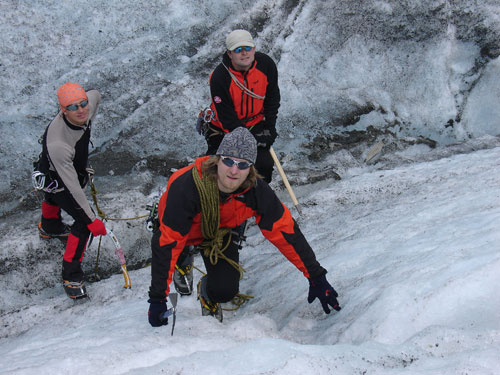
[207, 307]
[183, 277]
[75, 289]
[62, 235]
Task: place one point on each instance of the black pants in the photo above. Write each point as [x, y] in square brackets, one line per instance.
[264, 163]
[223, 280]
[77, 240]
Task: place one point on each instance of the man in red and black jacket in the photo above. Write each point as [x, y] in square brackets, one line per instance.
[238, 194]
[244, 91]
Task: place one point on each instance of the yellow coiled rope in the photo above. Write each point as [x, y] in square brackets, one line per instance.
[212, 245]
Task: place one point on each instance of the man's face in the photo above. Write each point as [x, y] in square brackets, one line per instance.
[243, 60]
[80, 116]
[229, 179]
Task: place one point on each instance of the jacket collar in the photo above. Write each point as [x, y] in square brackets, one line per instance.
[74, 127]
[227, 62]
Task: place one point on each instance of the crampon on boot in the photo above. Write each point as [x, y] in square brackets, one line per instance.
[63, 235]
[183, 277]
[207, 307]
[75, 289]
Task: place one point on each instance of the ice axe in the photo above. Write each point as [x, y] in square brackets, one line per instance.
[121, 257]
[285, 180]
[170, 311]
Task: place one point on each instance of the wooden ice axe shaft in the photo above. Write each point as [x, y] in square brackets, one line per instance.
[285, 180]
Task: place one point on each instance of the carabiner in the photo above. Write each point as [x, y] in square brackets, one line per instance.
[208, 115]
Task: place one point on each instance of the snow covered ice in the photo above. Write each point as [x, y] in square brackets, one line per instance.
[411, 242]
[413, 252]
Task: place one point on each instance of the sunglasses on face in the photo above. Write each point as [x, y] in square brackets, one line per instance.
[74, 107]
[242, 165]
[239, 49]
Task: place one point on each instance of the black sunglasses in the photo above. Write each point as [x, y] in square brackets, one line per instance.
[242, 165]
[239, 49]
[74, 107]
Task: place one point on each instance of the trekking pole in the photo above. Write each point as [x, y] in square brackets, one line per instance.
[285, 180]
[121, 257]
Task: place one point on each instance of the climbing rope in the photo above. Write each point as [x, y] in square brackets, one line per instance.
[212, 245]
[242, 86]
[238, 300]
[101, 213]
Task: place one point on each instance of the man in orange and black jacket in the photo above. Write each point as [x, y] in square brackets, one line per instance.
[240, 193]
[245, 92]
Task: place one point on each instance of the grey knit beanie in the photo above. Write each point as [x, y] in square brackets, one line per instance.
[240, 143]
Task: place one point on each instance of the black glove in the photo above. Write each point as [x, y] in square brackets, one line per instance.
[321, 288]
[265, 137]
[156, 308]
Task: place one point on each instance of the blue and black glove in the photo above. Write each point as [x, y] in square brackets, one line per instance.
[156, 308]
[320, 287]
